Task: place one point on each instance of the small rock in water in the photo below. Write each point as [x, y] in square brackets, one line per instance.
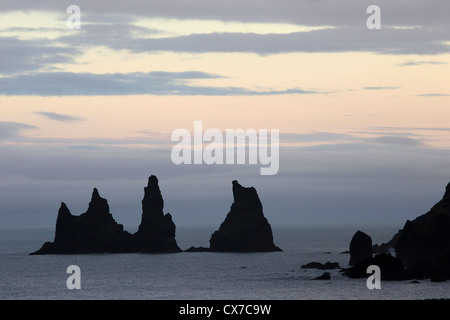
[324, 276]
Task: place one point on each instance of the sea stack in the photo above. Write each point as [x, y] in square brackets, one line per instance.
[360, 248]
[94, 231]
[156, 233]
[245, 229]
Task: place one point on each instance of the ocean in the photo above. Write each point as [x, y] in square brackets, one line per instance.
[200, 275]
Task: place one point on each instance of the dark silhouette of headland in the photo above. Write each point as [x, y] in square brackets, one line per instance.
[421, 248]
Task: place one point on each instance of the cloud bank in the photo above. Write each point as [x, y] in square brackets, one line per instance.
[136, 83]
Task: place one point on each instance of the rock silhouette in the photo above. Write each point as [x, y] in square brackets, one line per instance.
[324, 276]
[427, 237]
[96, 231]
[156, 232]
[391, 268]
[423, 245]
[321, 266]
[198, 249]
[387, 247]
[441, 270]
[245, 229]
[360, 247]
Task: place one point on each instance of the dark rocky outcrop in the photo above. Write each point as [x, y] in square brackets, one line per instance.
[391, 268]
[441, 270]
[325, 266]
[388, 247]
[96, 231]
[245, 229]
[428, 236]
[421, 269]
[156, 232]
[424, 243]
[360, 248]
[324, 276]
[198, 249]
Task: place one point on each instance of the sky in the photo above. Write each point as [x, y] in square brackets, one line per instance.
[363, 114]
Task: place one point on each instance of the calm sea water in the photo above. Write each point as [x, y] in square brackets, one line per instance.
[204, 276]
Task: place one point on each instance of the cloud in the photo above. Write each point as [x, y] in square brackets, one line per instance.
[411, 128]
[10, 130]
[434, 95]
[137, 83]
[381, 88]
[420, 63]
[184, 75]
[114, 26]
[106, 34]
[354, 140]
[340, 39]
[316, 137]
[84, 147]
[159, 140]
[58, 116]
[31, 55]
[94, 143]
[396, 141]
[307, 12]
[348, 32]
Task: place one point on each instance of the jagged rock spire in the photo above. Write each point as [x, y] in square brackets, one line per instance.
[245, 228]
[153, 203]
[97, 205]
[63, 212]
[246, 198]
[156, 232]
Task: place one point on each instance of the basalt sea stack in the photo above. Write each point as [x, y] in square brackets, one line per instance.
[360, 248]
[156, 232]
[245, 229]
[96, 231]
